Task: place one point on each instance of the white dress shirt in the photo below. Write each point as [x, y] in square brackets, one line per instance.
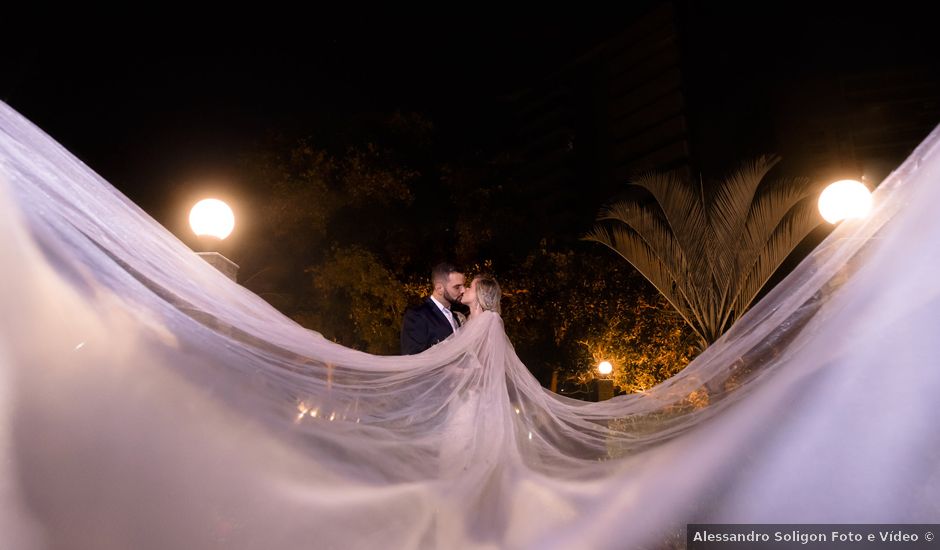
[447, 313]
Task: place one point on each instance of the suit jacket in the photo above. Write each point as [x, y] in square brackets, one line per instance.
[423, 326]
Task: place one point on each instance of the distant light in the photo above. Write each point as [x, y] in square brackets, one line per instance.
[844, 199]
[302, 407]
[605, 368]
[212, 217]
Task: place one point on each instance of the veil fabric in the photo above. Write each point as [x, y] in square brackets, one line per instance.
[146, 401]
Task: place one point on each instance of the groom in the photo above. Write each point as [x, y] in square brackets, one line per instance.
[434, 320]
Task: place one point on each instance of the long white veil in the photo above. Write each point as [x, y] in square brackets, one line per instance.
[146, 401]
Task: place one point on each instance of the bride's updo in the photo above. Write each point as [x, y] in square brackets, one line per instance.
[488, 292]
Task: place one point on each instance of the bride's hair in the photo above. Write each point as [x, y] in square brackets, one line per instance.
[488, 292]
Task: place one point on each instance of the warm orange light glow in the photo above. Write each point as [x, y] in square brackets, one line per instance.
[302, 407]
[605, 368]
[212, 217]
[844, 199]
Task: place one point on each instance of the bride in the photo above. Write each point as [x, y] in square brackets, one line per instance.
[483, 298]
[483, 295]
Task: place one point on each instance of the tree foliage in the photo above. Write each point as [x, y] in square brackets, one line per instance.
[356, 300]
[568, 310]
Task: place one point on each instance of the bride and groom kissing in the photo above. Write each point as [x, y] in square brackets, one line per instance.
[436, 318]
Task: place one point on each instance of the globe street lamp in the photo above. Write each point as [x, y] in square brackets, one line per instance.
[212, 217]
[844, 199]
[605, 385]
[212, 221]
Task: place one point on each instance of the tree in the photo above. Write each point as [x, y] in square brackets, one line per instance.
[567, 310]
[356, 300]
[332, 242]
[710, 254]
[646, 343]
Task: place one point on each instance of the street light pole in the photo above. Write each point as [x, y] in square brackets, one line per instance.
[212, 221]
[605, 385]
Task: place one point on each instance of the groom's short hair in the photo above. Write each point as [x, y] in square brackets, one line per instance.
[441, 272]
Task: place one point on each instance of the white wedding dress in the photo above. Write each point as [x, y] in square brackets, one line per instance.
[146, 401]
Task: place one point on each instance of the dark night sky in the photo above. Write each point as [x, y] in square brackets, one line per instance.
[153, 103]
[147, 108]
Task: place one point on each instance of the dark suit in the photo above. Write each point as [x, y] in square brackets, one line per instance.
[423, 326]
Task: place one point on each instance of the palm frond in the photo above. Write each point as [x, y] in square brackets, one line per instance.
[710, 257]
[650, 227]
[632, 248]
[688, 281]
[786, 235]
[681, 206]
[765, 215]
[728, 213]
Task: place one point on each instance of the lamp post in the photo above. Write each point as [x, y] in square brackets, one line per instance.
[841, 200]
[605, 385]
[212, 221]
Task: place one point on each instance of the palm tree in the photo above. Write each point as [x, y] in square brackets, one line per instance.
[710, 255]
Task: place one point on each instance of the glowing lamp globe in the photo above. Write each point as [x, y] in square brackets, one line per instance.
[605, 368]
[844, 199]
[213, 218]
